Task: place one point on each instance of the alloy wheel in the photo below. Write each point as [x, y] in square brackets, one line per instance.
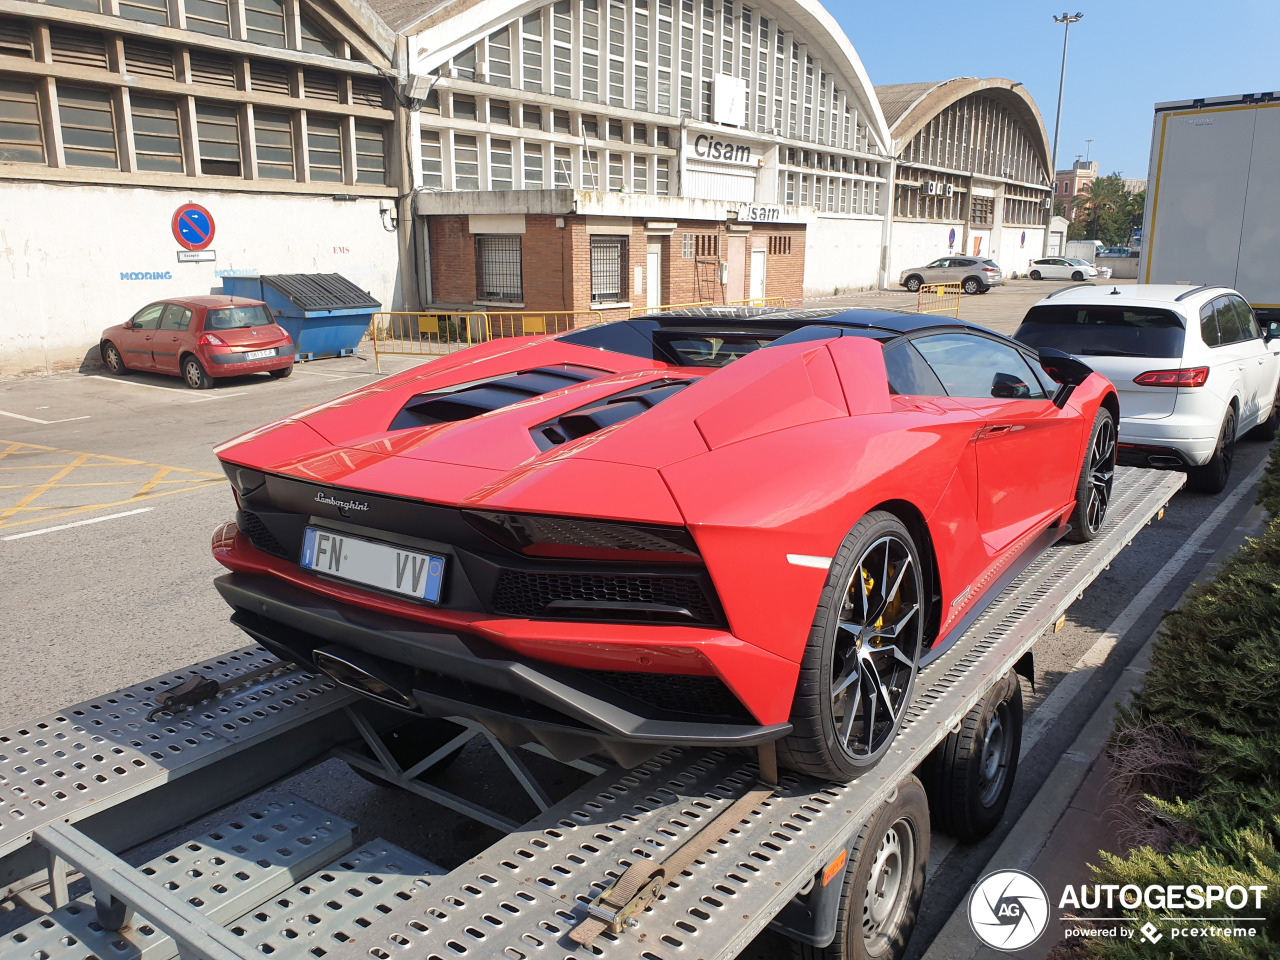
[192, 373]
[1102, 472]
[1227, 443]
[888, 888]
[114, 363]
[877, 643]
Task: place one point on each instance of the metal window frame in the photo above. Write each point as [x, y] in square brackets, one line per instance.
[500, 268]
[609, 259]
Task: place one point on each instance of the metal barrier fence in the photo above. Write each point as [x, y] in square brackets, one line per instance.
[763, 302]
[939, 298]
[528, 323]
[644, 311]
[424, 333]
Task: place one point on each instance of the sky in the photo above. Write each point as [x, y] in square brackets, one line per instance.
[1123, 58]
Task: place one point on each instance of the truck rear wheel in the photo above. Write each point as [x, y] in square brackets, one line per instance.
[970, 775]
[883, 883]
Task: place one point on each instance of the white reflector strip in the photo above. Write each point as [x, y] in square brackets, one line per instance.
[804, 560]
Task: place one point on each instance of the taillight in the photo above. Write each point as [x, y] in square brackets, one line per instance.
[568, 538]
[211, 340]
[1186, 377]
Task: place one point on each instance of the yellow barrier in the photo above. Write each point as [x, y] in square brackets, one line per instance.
[424, 334]
[939, 298]
[528, 323]
[644, 311]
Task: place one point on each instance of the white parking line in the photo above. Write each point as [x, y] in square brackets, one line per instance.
[78, 523]
[1048, 712]
[331, 376]
[18, 416]
[129, 383]
[218, 396]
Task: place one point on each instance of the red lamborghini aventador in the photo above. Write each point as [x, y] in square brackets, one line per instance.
[718, 526]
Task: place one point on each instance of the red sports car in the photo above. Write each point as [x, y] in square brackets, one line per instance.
[199, 338]
[718, 526]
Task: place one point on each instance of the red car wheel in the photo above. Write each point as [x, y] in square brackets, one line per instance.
[859, 667]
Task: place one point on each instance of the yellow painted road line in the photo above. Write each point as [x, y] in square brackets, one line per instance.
[161, 481]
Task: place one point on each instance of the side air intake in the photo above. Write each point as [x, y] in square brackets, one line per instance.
[605, 413]
[472, 399]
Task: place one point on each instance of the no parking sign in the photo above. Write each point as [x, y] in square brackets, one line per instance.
[193, 226]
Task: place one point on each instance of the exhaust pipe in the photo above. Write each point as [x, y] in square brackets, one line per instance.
[1161, 461]
[368, 676]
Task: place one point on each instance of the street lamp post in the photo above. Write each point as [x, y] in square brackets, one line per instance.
[1066, 20]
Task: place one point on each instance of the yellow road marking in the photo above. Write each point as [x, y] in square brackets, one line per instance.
[162, 481]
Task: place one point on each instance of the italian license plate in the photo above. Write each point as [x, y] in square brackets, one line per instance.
[373, 564]
[260, 354]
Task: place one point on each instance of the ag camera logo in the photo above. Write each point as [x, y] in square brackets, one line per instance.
[1008, 910]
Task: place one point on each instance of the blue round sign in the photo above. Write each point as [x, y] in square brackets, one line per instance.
[951, 239]
[193, 226]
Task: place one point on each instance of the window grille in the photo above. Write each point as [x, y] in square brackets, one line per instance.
[694, 245]
[157, 140]
[78, 48]
[88, 127]
[21, 138]
[500, 112]
[982, 210]
[148, 60]
[274, 135]
[498, 269]
[215, 70]
[321, 86]
[324, 148]
[15, 40]
[532, 117]
[608, 269]
[269, 77]
[464, 107]
[368, 93]
[371, 152]
[779, 245]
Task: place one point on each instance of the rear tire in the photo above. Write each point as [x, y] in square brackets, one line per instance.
[114, 362]
[913, 283]
[281, 373]
[193, 373]
[859, 666]
[1097, 473]
[1213, 476]
[883, 883]
[969, 776]
[971, 285]
[1035, 274]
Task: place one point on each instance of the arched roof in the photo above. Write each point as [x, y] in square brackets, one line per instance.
[443, 27]
[907, 107]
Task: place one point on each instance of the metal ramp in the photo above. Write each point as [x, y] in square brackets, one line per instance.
[101, 766]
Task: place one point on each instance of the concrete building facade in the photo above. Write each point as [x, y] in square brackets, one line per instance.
[1071, 185]
[971, 177]
[276, 116]
[609, 154]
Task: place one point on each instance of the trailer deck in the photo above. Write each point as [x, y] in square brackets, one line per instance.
[100, 774]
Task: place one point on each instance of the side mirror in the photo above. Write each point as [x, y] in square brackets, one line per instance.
[128, 324]
[1006, 386]
[1272, 331]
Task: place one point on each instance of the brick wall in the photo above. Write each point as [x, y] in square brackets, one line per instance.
[453, 260]
[544, 256]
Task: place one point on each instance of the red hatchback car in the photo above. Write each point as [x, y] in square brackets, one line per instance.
[199, 338]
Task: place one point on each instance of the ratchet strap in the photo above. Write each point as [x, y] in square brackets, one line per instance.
[640, 885]
[198, 689]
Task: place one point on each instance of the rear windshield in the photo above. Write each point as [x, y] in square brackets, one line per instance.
[1103, 331]
[233, 318]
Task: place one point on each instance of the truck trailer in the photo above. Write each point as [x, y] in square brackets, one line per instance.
[1213, 198]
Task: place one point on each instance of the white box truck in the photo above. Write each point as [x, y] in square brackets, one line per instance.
[1213, 197]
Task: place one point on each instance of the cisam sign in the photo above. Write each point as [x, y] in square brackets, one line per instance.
[707, 147]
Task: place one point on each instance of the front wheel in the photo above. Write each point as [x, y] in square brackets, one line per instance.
[1035, 274]
[913, 284]
[884, 881]
[1077, 276]
[1213, 476]
[194, 375]
[111, 357]
[859, 666]
[1097, 473]
[1266, 430]
[972, 285]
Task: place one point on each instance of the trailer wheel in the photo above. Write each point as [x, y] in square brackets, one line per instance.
[970, 774]
[883, 883]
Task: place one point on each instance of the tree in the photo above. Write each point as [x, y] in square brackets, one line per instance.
[1111, 213]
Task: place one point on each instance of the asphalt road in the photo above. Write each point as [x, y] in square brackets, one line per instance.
[89, 607]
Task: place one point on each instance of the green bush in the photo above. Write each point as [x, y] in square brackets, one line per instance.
[1215, 682]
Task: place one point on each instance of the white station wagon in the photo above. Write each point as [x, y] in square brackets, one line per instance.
[1061, 268]
[1191, 365]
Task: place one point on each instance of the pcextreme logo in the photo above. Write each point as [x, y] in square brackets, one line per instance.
[1008, 910]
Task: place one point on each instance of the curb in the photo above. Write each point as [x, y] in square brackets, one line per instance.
[1030, 835]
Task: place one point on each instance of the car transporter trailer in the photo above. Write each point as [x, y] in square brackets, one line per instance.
[289, 881]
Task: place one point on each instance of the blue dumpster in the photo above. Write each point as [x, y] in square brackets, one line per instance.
[325, 313]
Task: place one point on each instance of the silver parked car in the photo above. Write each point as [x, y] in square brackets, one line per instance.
[974, 274]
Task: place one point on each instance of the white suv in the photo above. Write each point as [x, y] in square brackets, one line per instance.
[1191, 365]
